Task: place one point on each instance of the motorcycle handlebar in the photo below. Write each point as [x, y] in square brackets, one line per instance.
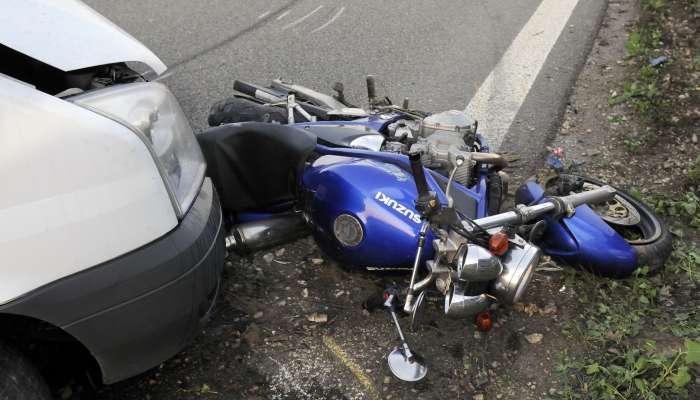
[244, 88]
[560, 205]
[255, 91]
[598, 195]
[371, 91]
[418, 174]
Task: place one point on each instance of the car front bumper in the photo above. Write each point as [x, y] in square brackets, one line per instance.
[140, 309]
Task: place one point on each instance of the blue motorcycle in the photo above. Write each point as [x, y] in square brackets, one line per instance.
[395, 188]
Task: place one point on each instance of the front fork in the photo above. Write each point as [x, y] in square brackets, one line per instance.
[408, 304]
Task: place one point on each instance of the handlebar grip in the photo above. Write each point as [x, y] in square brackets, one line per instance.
[599, 195]
[258, 92]
[371, 90]
[418, 174]
[245, 88]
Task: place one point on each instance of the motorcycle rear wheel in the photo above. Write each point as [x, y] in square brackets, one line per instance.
[636, 223]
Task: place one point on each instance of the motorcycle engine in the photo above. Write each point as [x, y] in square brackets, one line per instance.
[440, 138]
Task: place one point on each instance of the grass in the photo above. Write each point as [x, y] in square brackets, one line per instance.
[615, 365]
[643, 91]
[685, 259]
[694, 172]
[616, 308]
[633, 373]
[685, 209]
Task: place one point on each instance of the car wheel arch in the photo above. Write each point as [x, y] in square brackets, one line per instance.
[41, 341]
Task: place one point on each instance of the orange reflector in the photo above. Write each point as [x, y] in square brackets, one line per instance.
[483, 321]
[498, 244]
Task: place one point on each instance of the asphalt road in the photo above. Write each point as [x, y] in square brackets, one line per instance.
[435, 53]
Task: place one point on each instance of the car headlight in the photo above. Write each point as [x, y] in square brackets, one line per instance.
[152, 112]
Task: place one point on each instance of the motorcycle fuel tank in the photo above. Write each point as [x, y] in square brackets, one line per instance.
[362, 212]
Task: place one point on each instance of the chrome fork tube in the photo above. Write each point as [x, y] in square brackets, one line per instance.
[408, 305]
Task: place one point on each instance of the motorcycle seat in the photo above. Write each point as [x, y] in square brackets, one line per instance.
[255, 166]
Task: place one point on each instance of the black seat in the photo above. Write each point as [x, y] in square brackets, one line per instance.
[255, 165]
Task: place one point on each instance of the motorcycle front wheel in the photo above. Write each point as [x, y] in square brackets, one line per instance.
[631, 218]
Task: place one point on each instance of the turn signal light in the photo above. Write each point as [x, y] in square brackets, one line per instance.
[483, 321]
[498, 244]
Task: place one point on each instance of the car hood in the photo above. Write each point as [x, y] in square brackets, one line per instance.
[69, 35]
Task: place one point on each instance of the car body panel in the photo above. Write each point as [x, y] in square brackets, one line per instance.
[78, 189]
[135, 311]
[69, 35]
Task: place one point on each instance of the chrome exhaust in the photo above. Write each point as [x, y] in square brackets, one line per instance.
[253, 236]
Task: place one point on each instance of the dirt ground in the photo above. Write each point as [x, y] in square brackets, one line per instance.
[289, 324]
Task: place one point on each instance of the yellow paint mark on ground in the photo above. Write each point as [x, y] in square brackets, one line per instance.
[354, 368]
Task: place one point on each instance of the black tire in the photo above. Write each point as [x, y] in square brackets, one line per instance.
[655, 244]
[19, 379]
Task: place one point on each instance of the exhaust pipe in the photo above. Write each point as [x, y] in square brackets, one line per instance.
[249, 237]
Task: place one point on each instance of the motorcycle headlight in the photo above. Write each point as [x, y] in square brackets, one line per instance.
[152, 112]
[348, 230]
[476, 264]
[518, 267]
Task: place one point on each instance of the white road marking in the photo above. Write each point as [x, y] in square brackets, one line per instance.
[501, 95]
[263, 15]
[284, 14]
[331, 20]
[300, 20]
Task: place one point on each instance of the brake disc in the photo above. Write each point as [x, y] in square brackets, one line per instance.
[616, 211]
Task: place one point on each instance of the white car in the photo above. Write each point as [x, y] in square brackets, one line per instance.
[111, 236]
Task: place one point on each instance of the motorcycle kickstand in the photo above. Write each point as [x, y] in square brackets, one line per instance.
[403, 363]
